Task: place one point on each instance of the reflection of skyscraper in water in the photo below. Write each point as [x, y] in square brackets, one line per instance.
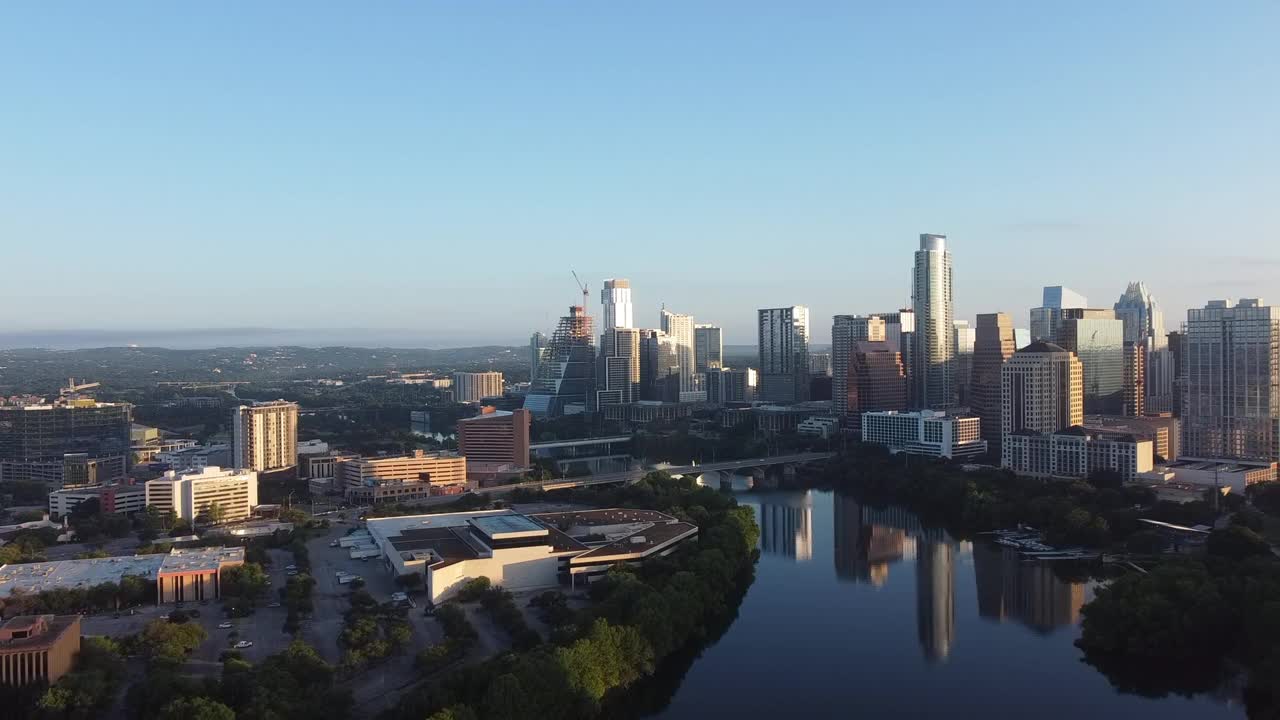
[786, 527]
[864, 549]
[1029, 593]
[935, 594]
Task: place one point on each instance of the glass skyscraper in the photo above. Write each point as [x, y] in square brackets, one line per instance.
[566, 376]
[1097, 338]
[784, 354]
[933, 357]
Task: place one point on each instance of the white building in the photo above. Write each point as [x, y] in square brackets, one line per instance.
[783, 343]
[520, 552]
[472, 387]
[934, 352]
[615, 296]
[679, 327]
[264, 436]
[1076, 453]
[196, 457]
[926, 432]
[818, 426]
[192, 494]
[111, 499]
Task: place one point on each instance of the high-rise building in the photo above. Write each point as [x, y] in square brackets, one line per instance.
[933, 357]
[1021, 338]
[1135, 379]
[1231, 397]
[876, 381]
[566, 378]
[212, 495]
[495, 436]
[1045, 319]
[820, 365]
[615, 296]
[679, 328]
[730, 385]
[1177, 349]
[472, 387]
[537, 353]
[708, 348]
[1160, 380]
[846, 332]
[900, 333]
[1143, 320]
[1042, 392]
[618, 367]
[1097, 338]
[993, 344]
[965, 337]
[264, 436]
[784, 354]
[659, 367]
[66, 442]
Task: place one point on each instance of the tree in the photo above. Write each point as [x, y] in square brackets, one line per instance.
[505, 699]
[1236, 542]
[243, 584]
[215, 513]
[196, 708]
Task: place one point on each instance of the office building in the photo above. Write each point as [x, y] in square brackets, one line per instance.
[1097, 338]
[1046, 318]
[965, 337]
[195, 574]
[819, 365]
[1041, 392]
[1160, 381]
[679, 328]
[495, 437]
[899, 333]
[730, 385]
[1135, 379]
[925, 432]
[784, 354]
[439, 469]
[1076, 453]
[472, 387]
[181, 575]
[522, 552]
[196, 457]
[193, 495]
[993, 344]
[615, 297]
[1231, 397]
[1143, 320]
[1162, 431]
[876, 380]
[618, 367]
[565, 382]
[933, 355]
[1177, 349]
[123, 499]
[1021, 338]
[659, 367]
[537, 354]
[1206, 473]
[264, 436]
[846, 332]
[62, 443]
[38, 649]
[708, 348]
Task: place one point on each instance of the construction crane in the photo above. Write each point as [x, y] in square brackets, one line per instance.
[72, 388]
[584, 289]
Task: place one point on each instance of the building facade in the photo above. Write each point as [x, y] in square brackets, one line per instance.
[124, 499]
[846, 332]
[1076, 453]
[925, 432]
[1143, 320]
[1097, 338]
[472, 387]
[191, 496]
[264, 436]
[993, 344]
[418, 467]
[37, 441]
[495, 436]
[730, 385]
[679, 327]
[1046, 319]
[708, 348]
[783, 342]
[1231, 396]
[876, 381]
[965, 338]
[934, 352]
[565, 384]
[1041, 391]
[618, 367]
[615, 298]
[659, 367]
[38, 649]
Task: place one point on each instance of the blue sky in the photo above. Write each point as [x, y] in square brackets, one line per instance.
[443, 166]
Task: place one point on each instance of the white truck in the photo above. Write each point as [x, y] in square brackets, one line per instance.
[344, 578]
[364, 552]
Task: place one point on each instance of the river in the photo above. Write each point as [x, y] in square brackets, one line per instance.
[861, 612]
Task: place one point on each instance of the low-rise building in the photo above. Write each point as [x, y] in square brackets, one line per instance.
[192, 495]
[926, 432]
[1210, 472]
[406, 477]
[643, 412]
[38, 648]
[1161, 430]
[819, 426]
[586, 456]
[40, 577]
[495, 436]
[1076, 453]
[195, 457]
[521, 552]
[194, 574]
[111, 499]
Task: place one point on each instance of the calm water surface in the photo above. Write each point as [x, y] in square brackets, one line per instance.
[860, 612]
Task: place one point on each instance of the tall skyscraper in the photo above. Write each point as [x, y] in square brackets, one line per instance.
[933, 357]
[1045, 319]
[537, 353]
[615, 296]
[1135, 379]
[679, 327]
[708, 348]
[965, 336]
[1042, 391]
[264, 436]
[1142, 317]
[993, 344]
[846, 332]
[566, 377]
[1231, 398]
[618, 367]
[472, 387]
[1097, 338]
[900, 333]
[1178, 349]
[876, 381]
[659, 366]
[784, 354]
[729, 385]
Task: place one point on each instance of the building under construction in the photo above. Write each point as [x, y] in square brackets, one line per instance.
[565, 382]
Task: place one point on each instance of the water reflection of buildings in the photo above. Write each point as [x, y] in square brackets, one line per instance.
[786, 526]
[869, 540]
[1027, 592]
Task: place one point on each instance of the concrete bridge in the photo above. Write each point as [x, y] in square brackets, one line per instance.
[631, 476]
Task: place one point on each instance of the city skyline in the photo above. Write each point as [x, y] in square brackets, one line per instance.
[434, 132]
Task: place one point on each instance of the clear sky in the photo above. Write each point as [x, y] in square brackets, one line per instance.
[443, 166]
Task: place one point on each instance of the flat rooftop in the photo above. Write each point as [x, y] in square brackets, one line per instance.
[180, 560]
[499, 527]
[42, 576]
[53, 627]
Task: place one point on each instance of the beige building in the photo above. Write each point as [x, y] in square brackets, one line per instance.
[472, 387]
[1041, 391]
[191, 496]
[440, 469]
[194, 574]
[264, 436]
[38, 648]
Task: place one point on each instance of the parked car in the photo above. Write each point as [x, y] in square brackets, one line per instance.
[335, 543]
[225, 626]
[244, 644]
[290, 567]
[274, 605]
